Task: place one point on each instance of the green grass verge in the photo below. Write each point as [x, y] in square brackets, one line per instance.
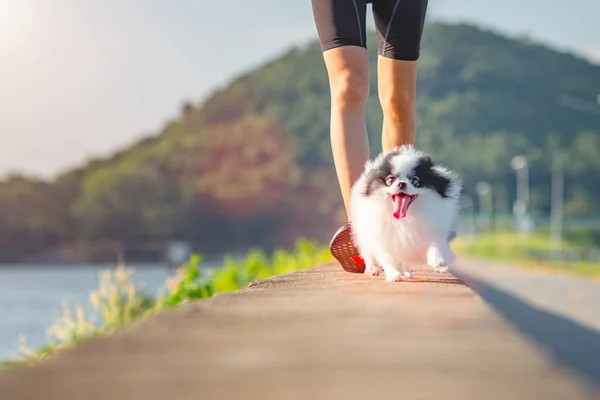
[118, 301]
[530, 250]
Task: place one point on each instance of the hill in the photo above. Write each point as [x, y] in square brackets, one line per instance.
[251, 165]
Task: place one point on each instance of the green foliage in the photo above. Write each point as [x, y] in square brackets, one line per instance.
[119, 302]
[130, 202]
[188, 284]
[251, 166]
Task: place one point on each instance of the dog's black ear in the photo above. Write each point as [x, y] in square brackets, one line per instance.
[426, 161]
[370, 186]
[379, 170]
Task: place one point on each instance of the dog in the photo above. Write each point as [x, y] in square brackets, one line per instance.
[404, 209]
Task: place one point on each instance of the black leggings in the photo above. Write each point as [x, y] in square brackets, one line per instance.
[399, 25]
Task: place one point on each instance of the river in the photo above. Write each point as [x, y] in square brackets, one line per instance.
[31, 298]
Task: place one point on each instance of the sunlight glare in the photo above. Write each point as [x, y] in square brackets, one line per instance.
[11, 12]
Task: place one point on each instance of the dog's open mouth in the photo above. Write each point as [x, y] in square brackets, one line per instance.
[401, 203]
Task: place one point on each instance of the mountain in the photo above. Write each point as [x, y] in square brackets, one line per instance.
[251, 165]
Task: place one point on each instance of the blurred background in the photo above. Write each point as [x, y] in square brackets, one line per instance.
[146, 131]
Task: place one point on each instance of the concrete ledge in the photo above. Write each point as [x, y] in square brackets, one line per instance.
[321, 333]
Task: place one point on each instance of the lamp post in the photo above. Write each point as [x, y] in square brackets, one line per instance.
[520, 165]
[556, 213]
[558, 175]
[484, 191]
[468, 226]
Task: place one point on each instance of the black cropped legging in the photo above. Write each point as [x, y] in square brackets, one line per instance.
[399, 25]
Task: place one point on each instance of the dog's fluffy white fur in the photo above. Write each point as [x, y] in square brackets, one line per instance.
[390, 241]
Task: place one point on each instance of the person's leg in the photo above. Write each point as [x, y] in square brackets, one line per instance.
[348, 69]
[399, 26]
[397, 81]
[341, 29]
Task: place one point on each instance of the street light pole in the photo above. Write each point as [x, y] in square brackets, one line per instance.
[501, 206]
[558, 178]
[520, 165]
[484, 191]
[467, 225]
[556, 214]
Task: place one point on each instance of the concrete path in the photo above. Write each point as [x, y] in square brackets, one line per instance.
[570, 296]
[327, 334]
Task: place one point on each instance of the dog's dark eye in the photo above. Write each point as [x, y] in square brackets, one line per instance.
[389, 180]
[414, 180]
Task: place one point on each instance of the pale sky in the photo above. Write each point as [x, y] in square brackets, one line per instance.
[81, 78]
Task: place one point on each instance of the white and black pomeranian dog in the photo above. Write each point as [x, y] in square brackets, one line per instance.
[403, 211]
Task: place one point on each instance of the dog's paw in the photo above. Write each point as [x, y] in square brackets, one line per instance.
[395, 276]
[441, 270]
[407, 272]
[436, 261]
[373, 270]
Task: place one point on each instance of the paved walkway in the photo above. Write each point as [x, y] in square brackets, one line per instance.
[571, 296]
[327, 334]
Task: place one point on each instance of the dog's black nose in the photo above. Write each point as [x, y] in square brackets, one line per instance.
[402, 185]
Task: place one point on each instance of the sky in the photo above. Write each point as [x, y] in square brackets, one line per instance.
[83, 78]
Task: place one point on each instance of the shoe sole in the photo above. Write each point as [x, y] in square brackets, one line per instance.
[343, 249]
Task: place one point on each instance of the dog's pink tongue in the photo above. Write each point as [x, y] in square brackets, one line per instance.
[401, 202]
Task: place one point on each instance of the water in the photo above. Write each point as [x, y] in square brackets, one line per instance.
[31, 298]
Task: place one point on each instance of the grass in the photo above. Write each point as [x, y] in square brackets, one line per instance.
[118, 301]
[530, 250]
